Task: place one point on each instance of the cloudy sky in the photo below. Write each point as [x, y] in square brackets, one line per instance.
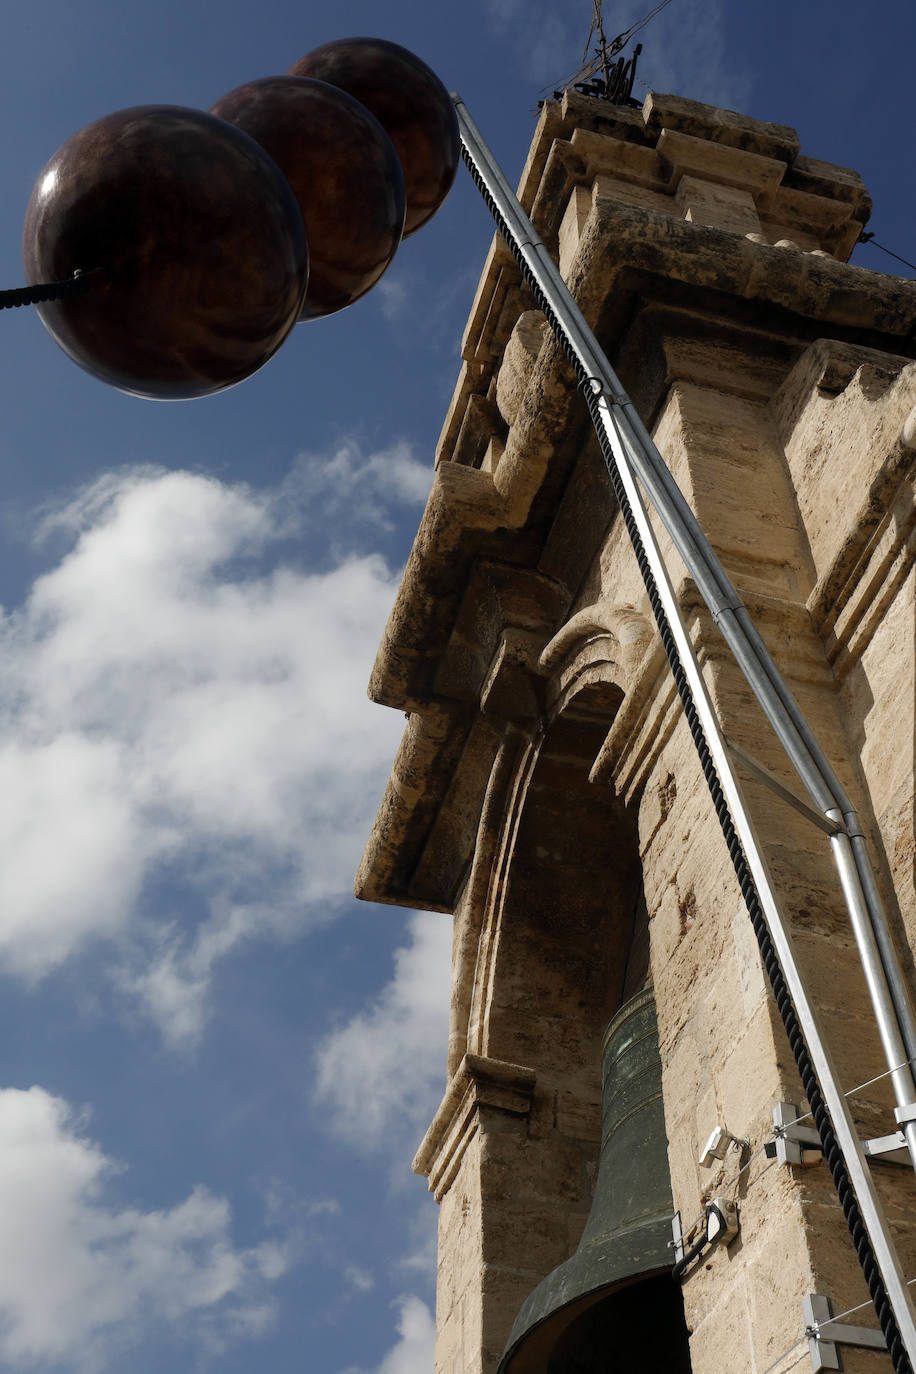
[215, 1065]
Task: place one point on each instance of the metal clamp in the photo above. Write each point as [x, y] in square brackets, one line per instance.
[824, 1334]
[794, 1143]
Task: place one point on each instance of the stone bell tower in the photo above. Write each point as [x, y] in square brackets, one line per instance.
[546, 794]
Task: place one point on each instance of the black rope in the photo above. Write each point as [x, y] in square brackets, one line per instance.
[832, 1152]
[870, 238]
[77, 285]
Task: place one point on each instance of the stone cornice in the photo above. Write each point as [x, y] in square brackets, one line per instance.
[479, 1082]
[835, 297]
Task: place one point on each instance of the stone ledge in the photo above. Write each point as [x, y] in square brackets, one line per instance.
[726, 127]
[690, 156]
[479, 1082]
[800, 285]
[428, 750]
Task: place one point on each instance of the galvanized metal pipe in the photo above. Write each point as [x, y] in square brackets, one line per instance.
[901, 1074]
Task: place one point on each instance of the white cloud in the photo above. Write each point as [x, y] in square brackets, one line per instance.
[413, 1353]
[548, 45]
[360, 1279]
[349, 493]
[685, 53]
[81, 1277]
[423, 1229]
[384, 1071]
[394, 297]
[176, 709]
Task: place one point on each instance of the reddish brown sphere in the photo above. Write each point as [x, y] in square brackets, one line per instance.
[199, 241]
[411, 104]
[345, 174]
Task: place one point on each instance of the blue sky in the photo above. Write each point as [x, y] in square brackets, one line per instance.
[215, 1065]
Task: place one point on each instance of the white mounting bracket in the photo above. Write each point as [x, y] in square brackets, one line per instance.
[824, 1334]
[718, 1145]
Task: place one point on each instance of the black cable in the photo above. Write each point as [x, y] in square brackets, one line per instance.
[77, 285]
[690, 1255]
[619, 43]
[832, 1152]
[870, 238]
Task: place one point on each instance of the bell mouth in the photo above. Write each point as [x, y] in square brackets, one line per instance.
[584, 1280]
[635, 1324]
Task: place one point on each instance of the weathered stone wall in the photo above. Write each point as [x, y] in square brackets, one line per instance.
[547, 793]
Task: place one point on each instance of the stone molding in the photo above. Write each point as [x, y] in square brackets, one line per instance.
[479, 1082]
[840, 398]
[888, 555]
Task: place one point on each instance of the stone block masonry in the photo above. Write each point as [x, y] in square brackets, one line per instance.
[546, 797]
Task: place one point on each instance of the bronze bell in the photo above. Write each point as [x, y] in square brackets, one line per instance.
[613, 1306]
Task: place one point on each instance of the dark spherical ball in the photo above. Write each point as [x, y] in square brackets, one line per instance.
[199, 241]
[411, 104]
[344, 171]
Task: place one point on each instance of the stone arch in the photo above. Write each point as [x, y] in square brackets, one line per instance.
[563, 905]
[562, 943]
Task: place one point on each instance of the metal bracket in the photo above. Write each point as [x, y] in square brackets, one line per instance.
[824, 1334]
[794, 1143]
[770, 780]
[888, 1149]
[802, 1145]
[677, 1232]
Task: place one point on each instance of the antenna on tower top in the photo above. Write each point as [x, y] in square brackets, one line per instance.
[600, 77]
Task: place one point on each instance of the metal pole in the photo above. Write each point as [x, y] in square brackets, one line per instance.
[635, 454]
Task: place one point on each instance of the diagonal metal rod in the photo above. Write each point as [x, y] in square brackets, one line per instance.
[636, 457]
